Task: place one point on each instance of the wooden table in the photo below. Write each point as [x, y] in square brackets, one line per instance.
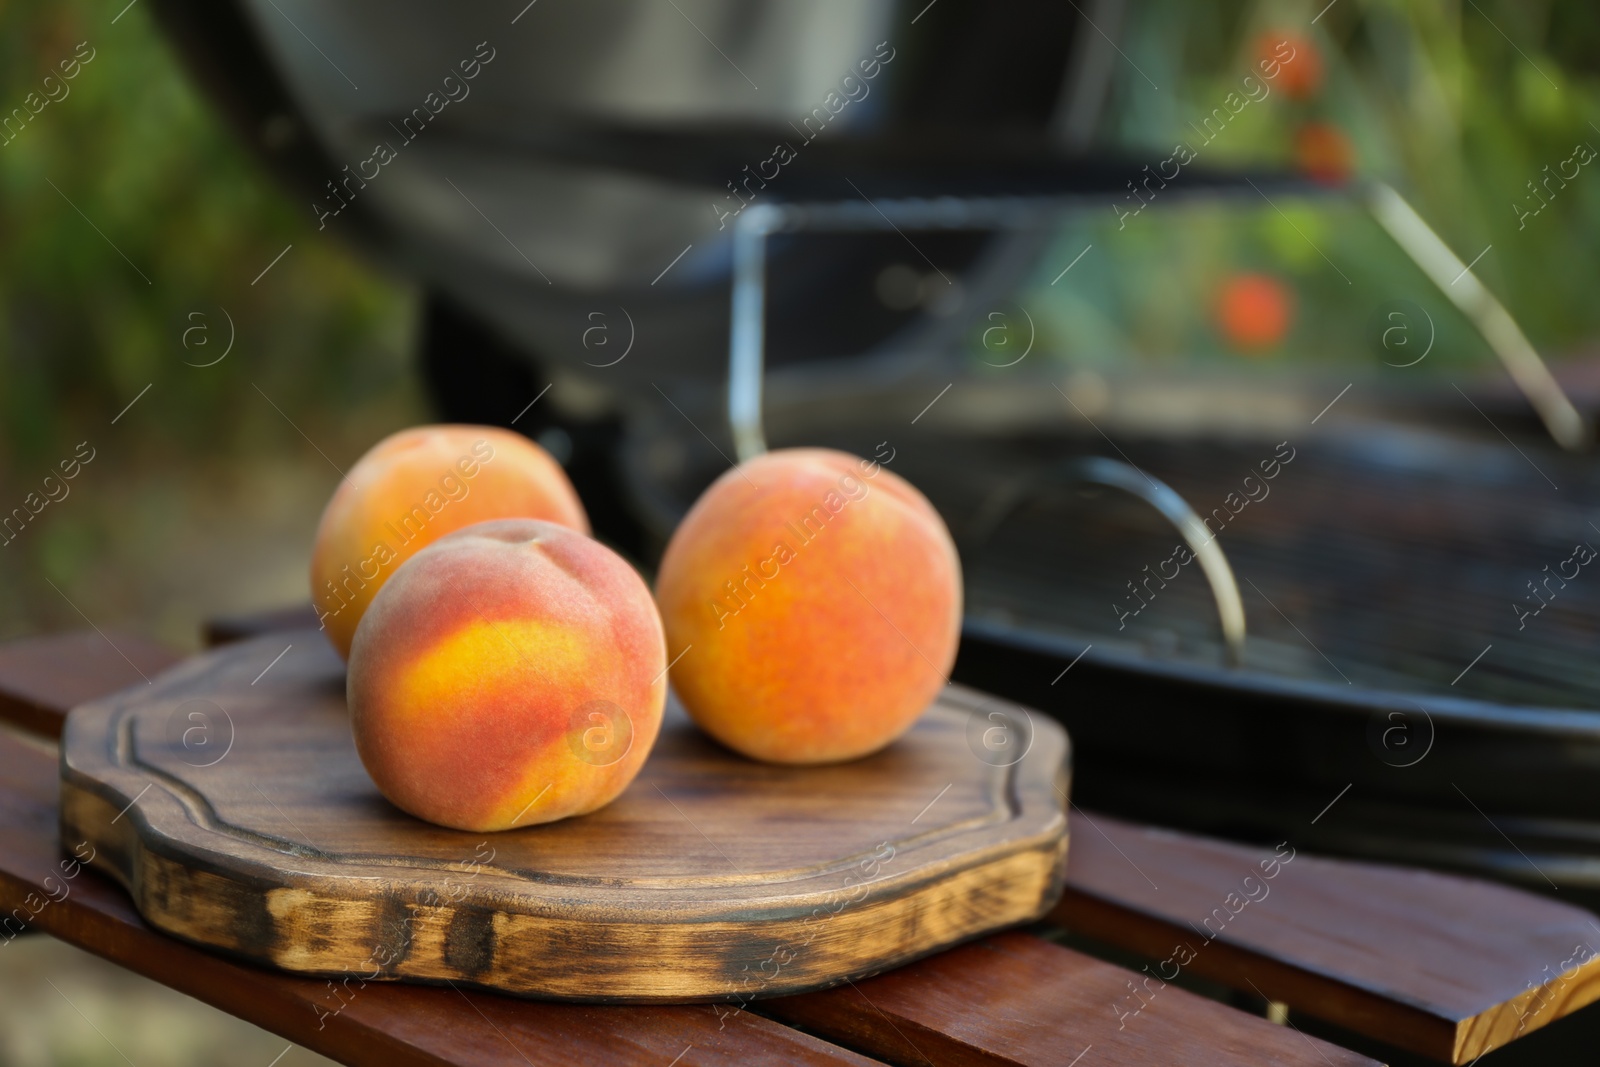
[1439, 965]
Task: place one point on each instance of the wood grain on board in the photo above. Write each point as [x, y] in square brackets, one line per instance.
[234, 808]
[1439, 964]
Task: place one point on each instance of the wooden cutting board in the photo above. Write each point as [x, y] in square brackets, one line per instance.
[232, 806]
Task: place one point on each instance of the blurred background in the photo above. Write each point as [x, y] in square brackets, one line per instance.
[183, 313]
[138, 224]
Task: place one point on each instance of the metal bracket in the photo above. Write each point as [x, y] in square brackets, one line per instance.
[1491, 319]
[752, 227]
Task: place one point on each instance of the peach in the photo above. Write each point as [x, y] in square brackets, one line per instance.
[814, 600]
[412, 488]
[510, 673]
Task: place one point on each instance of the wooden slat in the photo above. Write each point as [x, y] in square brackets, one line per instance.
[1016, 999]
[41, 677]
[1445, 966]
[226, 629]
[380, 1023]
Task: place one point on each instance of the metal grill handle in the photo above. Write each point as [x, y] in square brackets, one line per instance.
[1115, 474]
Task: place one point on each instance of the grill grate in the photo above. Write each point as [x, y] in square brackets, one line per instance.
[1388, 562]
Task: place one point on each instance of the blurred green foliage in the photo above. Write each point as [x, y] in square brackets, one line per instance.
[1458, 105]
[129, 213]
[127, 208]
[150, 167]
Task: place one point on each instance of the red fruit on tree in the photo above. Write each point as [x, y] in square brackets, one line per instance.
[1254, 311]
[1295, 59]
[1322, 151]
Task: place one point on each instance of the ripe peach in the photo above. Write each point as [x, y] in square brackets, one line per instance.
[412, 488]
[510, 673]
[815, 601]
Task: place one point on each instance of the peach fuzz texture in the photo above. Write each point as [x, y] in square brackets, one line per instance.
[842, 630]
[412, 488]
[477, 668]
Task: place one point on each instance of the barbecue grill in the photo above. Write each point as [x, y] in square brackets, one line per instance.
[1381, 577]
